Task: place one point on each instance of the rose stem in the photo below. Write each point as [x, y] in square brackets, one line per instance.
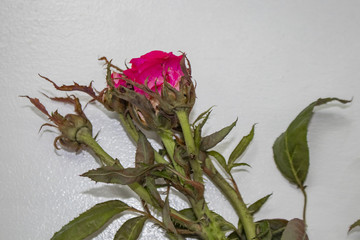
[234, 198]
[190, 144]
[84, 136]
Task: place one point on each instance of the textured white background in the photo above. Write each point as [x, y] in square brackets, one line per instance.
[261, 61]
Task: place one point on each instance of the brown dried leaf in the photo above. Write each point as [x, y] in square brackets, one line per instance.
[38, 105]
[76, 87]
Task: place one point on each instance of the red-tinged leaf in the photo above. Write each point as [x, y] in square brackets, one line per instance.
[355, 224]
[131, 229]
[295, 230]
[152, 189]
[144, 152]
[117, 175]
[91, 221]
[166, 217]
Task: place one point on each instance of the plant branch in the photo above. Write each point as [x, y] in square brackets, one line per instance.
[234, 198]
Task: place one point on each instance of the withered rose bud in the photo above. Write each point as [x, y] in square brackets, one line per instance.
[112, 102]
[69, 126]
[72, 124]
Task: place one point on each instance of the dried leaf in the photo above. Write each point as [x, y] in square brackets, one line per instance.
[38, 105]
[76, 87]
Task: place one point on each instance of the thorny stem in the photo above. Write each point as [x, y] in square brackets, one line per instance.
[211, 232]
[84, 136]
[234, 198]
[169, 143]
[190, 144]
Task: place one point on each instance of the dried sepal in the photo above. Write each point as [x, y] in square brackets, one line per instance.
[76, 87]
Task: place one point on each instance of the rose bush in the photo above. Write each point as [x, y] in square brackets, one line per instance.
[154, 67]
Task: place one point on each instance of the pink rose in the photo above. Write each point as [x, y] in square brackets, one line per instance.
[155, 66]
[116, 79]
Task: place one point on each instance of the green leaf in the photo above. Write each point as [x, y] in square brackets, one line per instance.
[198, 128]
[213, 139]
[131, 229]
[225, 226]
[255, 207]
[355, 224]
[117, 175]
[144, 152]
[295, 230]
[220, 158]
[264, 230]
[239, 165]
[291, 152]
[241, 147]
[91, 221]
[203, 115]
[188, 213]
[233, 236]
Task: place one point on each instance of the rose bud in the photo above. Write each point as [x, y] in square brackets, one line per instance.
[70, 126]
[161, 79]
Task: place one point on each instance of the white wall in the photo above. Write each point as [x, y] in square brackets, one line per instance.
[261, 61]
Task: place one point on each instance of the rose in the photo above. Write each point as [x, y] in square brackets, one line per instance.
[154, 67]
[117, 79]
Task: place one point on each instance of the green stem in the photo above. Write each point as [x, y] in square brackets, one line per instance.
[234, 198]
[169, 144]
[129, 127]
[305, 204]
[190, 144]
[84, 136]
